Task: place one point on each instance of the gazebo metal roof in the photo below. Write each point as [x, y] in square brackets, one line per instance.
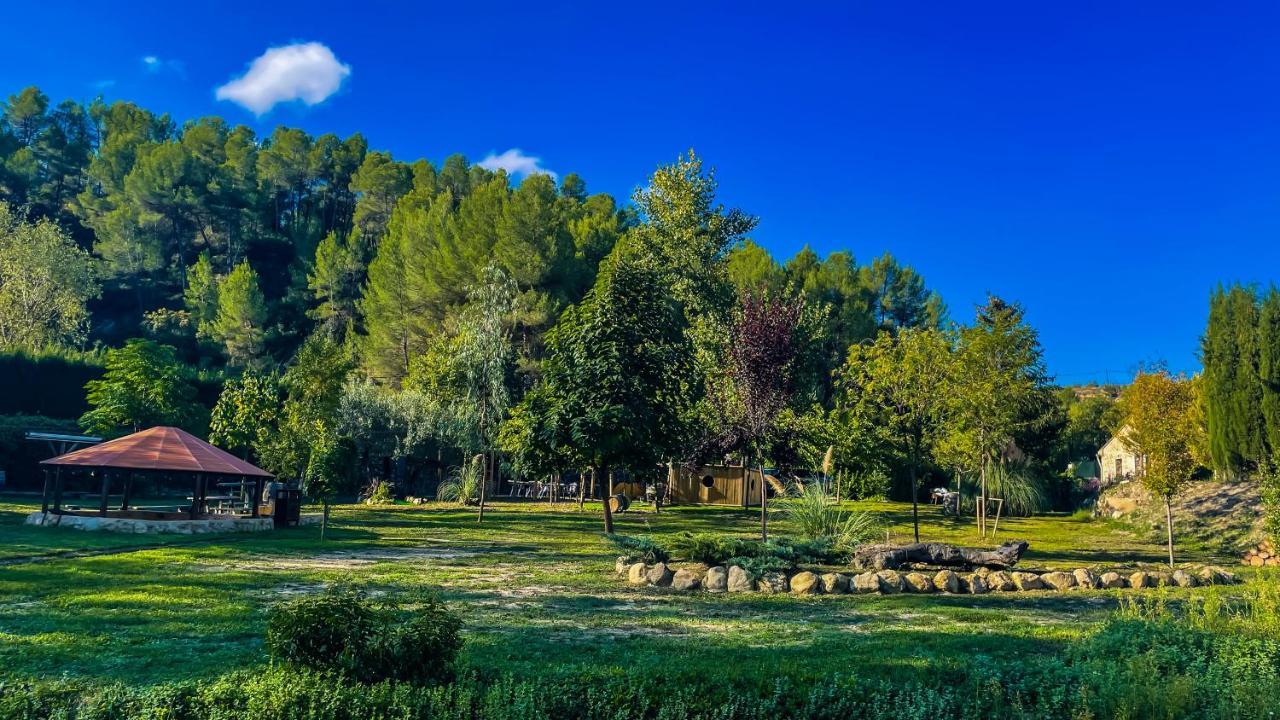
[159, 448]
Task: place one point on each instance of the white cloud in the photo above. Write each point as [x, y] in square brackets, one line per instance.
[515, 162]
[157, 64]
[309, 72]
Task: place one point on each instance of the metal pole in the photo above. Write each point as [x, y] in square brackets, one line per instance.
[57, 489]
[44, 496]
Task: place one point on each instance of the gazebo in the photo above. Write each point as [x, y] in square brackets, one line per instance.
[222, 485]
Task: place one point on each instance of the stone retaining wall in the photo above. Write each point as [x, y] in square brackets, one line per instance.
[735, 579]
[134, 525]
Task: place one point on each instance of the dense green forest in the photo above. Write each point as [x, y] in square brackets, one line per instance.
[235, 248]
[425, 312]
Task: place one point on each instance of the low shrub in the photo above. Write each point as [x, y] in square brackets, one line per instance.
[640, 549]
[710, 548]
[341, 631]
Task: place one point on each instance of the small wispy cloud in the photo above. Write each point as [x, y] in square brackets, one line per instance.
[104, 84]
[156, 64]
[308, 72]
[516, 162]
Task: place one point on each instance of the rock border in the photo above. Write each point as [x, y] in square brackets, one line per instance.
[734, 579]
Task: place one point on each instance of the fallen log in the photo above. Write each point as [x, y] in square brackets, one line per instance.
[892, 557]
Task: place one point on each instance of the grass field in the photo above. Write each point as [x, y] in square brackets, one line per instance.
[535, 586]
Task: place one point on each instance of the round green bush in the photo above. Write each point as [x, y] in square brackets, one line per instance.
[342, 631]
[328, 631]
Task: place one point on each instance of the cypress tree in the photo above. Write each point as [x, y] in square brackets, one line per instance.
[1246, 406]
[1217, 354]
[1269, 368]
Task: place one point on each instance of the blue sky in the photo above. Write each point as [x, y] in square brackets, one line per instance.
[1104, 166]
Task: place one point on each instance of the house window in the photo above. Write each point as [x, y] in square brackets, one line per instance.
[1119, 467]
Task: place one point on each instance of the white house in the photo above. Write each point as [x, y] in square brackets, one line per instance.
[1117, 462]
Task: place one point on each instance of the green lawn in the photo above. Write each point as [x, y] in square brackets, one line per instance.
[536, 588]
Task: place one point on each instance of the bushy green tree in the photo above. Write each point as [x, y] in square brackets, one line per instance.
[998, 389]
[143, 386]
[313, 386]
[46, 282]
[900, 383]
[1158, 410]
[328, 469]
[247, 412]
[616, 372]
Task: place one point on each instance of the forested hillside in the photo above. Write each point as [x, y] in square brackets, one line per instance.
[235, 247]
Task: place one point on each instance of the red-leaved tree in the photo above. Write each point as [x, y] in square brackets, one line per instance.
[760, 365]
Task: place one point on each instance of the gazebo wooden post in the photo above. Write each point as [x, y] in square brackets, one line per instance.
[195, 495]
[44, 495]
[257, 495]
[57, 489]
[128, 490]
[106, 488]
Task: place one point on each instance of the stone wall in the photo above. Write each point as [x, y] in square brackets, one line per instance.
[735, 579]
[135, 525]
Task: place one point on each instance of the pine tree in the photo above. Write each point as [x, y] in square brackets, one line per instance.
[240, 326]
[201, 296]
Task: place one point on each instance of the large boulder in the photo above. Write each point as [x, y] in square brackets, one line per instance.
[659, 575]
[686, 580]
[1059, 580]
[1086, 578]
[1027, 581]
[1212, 575]
[1162, 579]
[918, 582]
[1113, 580]
[773, 582]
[974, 584]
[947, 581]
[635, 574]
[866, 583]
[1182, 578]
[1000, 581]
[1141, 579]
[716, 579]
[890, 582]
[834, 583]
[805, 583]
[739, 580]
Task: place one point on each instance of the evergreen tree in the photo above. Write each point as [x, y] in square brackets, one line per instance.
[335, 281]
[1233, 394]
[240, 326]
[1269, 370]
[201, 296]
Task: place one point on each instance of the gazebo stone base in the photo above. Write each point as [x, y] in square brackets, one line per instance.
[134, 525]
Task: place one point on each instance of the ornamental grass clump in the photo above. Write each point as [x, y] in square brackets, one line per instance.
[817, 518]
